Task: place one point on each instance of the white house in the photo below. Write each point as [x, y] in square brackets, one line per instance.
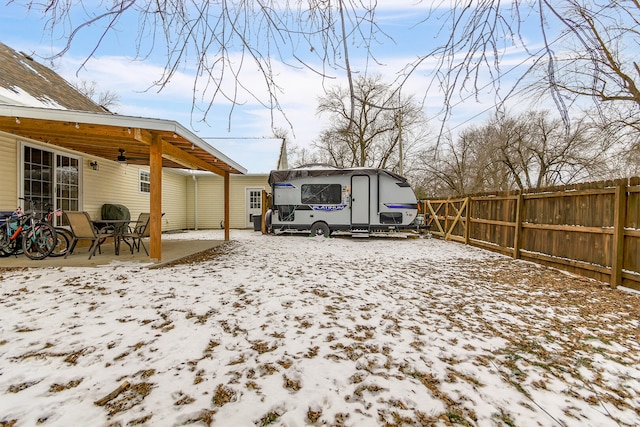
[58, 146]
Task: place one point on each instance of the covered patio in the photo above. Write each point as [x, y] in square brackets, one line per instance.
[135, 140]
[173, 251]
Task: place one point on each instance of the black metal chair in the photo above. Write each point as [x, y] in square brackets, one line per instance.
[137, 233]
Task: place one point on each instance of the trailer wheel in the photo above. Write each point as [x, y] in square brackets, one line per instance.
[320, 229]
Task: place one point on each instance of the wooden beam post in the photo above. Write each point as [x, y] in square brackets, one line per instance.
[617, 246]
[264, 204]
[227, 216]
[155, 202]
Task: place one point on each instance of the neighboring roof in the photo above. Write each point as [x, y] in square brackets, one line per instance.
[315, 170]
[24, 81]
[103, 134]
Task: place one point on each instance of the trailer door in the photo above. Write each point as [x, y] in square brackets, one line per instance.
[360, 200]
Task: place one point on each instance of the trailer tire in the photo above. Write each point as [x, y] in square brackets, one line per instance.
[320, 229]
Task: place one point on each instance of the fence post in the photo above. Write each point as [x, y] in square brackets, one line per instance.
[446, 219]
[617, 246]
[517, 238]
[467, 231]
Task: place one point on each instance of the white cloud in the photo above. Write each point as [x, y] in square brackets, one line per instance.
[133, 81]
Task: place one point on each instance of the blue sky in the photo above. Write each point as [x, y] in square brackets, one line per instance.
[112, 69]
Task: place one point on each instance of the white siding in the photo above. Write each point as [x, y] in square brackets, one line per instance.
[119, 184]
[8, 172]
[210, 199]
[111, 183]
[174, 200]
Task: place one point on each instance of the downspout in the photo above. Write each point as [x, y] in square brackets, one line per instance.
[195, 201]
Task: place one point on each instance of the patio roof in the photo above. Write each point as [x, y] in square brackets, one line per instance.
[104, 134]
[153, 142]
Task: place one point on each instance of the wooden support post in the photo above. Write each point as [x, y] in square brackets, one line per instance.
[264, 203]
[227, 216]
[155, 199]
[617, 246]
[517, 238]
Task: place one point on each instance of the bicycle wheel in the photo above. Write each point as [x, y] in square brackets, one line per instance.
[9, 247]
[38, 242]
[64, 237]
[4, 242]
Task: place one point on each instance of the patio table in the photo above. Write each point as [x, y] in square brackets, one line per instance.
[117, 227]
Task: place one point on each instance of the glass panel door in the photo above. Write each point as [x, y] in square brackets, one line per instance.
[40, 176]
[67, 183]
[254, 204]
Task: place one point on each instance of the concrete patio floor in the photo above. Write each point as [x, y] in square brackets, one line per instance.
[172, 251]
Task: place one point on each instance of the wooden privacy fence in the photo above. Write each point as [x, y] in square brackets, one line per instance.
[589, 229]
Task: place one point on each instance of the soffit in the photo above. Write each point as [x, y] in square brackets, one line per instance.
[103, 135]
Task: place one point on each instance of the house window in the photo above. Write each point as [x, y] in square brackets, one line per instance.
[322, 194]
[255, 199]
[145, 181]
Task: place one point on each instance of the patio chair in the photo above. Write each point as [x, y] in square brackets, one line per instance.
[137, 233]
[82, 229]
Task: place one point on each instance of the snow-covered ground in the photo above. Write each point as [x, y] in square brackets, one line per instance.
[293, 331]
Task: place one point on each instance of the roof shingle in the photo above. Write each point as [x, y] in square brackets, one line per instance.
[27, 82]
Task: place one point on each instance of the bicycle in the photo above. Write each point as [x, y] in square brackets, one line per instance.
[63, 236]
[8, 226]
[36, 238]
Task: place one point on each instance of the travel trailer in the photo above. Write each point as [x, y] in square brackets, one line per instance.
[323, 199]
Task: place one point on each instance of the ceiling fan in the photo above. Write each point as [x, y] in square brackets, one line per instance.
[123, 159]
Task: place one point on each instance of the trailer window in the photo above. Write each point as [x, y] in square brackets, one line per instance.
[321, 194]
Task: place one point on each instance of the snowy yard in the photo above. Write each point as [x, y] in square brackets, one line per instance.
[294, 331]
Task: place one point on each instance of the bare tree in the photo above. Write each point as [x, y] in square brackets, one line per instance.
[449, 170]
[300, 156]
[107, 99]
[225, 38]
[539, 152]
[589, 50]
[467, 165]
[601, 64]
[532, 150]
[384, 127]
